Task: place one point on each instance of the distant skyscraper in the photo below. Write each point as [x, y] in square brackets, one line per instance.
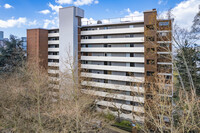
[24, 43]
[1, 38]
[1, 35]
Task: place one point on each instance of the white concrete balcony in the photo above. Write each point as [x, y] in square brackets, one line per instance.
[114, 31]
[53, 42]
[165, 74]
[53, 56]
[114, 49]
[53, 64]
[121, 106]
[125, 116]
[53, 49]
[114, 96]
[115, 59]
[113, 40]
[53, 34]
[53, 71]
[164, 63]
[164, 41]
[113, 68]
[113, 86]
[113, 77]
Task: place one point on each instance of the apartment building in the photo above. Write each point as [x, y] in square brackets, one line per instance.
[117, 58]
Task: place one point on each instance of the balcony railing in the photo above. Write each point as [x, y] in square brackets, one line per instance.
[112, 20]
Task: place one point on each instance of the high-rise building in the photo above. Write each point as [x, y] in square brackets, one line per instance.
[1, 38]
[24, 43]
[117, 57]
[1, 35]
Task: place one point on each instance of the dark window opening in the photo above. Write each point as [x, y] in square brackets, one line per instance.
[150, 27]
[149, 73]
[150, 62]
[150, 38]
[132, 64]
[150, 49]
[131, 45]
[105, 81]
[131, 55]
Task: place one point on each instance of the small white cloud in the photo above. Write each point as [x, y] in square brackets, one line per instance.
[13, 22]
[44, 12]
[85, 2]
[54, 7]
[64, 1]
[31, 23]
[163, 2]
[51, 23]
[7, 6]
[133, 16]
[160, 2]
[128, 10]
[96, 2]
[107, 10]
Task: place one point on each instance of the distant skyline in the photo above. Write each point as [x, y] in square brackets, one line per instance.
[19, 15]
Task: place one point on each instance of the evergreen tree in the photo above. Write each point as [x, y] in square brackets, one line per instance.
[196, 23]
[191, 57]
[11, 54]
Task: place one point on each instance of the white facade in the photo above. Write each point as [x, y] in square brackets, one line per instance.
[112, 56]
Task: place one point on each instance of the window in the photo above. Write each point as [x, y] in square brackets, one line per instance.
[164, 45]
[84, 62]
[163, 23]
[150, 38]
[127, 36]
[132, 64]
[150, 50]
[150, 62]
[149, 73]
[168, 77]
[131, 45]
[131, 35]
[131, 26]
[150, 27]
[109, 72]
[105, 72]
[107, 63]
[129, 74]
[105, 81]
[131, 55]
[105, 45]
[105, 36]
[163, 34]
